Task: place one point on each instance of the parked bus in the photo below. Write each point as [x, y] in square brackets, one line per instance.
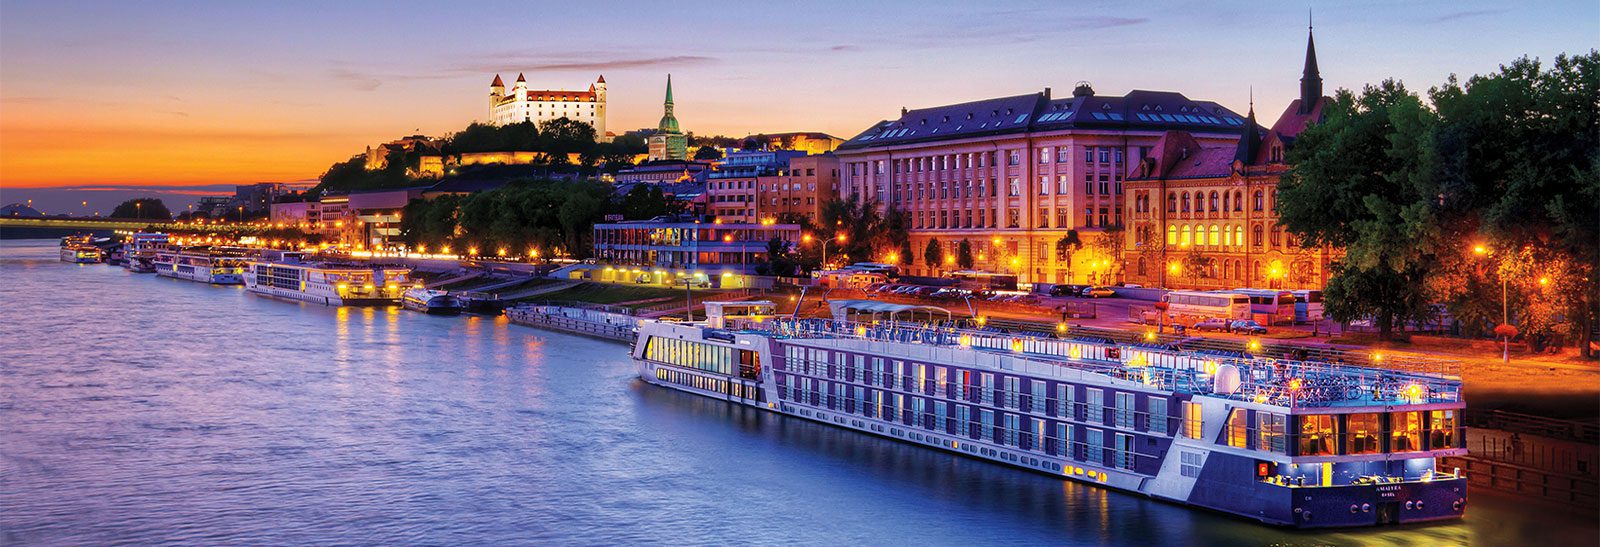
[888, 270]
[981, 280]
[1277, 304]
[1307, 306]
[1207, 304]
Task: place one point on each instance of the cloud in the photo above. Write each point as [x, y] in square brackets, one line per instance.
[577, 62]
[360, 80]
[1467, 14]
[844, 47]
[1043, 25]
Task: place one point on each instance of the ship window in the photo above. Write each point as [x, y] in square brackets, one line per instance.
[1406, 432]
[1192, 420]
[1271, 428]
[1362, 433]
[1157, 420]
[1441, 429]
[1317, 433]
[1239, 428]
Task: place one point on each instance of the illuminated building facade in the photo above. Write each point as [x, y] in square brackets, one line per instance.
[1206, 217]
[1014, 175]
[760, 185]
[537, 105]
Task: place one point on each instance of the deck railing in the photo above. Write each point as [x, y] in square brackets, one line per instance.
[1280, 382]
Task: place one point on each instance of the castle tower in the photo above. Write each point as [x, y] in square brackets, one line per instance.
[497, 90]
[520, 88]
[600, 109]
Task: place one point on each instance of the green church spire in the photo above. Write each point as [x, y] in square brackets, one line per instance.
[669, 122]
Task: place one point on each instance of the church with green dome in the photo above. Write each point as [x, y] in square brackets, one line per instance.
[669, 143]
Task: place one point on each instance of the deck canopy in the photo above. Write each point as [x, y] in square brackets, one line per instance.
[873, 311]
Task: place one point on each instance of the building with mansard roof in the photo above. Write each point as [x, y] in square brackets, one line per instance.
[1014, 175]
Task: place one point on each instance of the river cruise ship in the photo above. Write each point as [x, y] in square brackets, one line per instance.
[80, 249]
[431, 301]
[289, 275]
[1293, 443]
[206, 264]
[139, 251]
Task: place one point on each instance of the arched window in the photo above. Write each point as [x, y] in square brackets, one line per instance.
[1276, 231]
[1238, 200]
[1214, 201]
[1172, 202]
[1224, 201]
[1141, 265]
[1185, 202]
[1238, 235]
[1184, 238]
[1258, 270]
[1172, 234]
[1255, 236]
[1274, 197]
[1214, 234]
[1257, 206]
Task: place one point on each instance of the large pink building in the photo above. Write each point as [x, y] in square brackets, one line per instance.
[1013, 175]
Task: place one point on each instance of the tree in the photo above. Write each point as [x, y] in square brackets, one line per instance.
[1197, 265]
[1360, 180]
[905, 253]
[933, 254]
[1066, 246]
[142, 208]
[707, 153]
[964, 254]
[861, 224]
[563, 136]
[647, 201]
[1108, 247]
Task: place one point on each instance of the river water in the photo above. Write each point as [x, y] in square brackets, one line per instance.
[150, 410]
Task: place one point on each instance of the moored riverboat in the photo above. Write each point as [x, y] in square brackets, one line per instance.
[431, 301]
[1294, 443]
[286, 274]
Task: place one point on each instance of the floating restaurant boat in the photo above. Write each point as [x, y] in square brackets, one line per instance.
[287, 274]
[80, 249]
[139, 251]
[1294, 443]
[206, 264]
[432, 301]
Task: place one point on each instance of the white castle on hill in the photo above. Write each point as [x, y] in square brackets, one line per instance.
[538, 105]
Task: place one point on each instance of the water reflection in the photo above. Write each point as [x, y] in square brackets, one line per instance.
[142, 410]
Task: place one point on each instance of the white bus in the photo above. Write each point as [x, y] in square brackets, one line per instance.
[1207, 304]
[1277, 304]
[1307, 306]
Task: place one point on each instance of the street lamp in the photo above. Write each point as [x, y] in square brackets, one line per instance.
[1505, 304]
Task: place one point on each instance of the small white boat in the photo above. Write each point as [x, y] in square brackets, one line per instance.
[431, 301]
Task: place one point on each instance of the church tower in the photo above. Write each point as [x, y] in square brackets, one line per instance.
[1310, 79]
[669, 142]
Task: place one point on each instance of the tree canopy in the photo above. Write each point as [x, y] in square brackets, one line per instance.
[142, 208]
[1435, 199]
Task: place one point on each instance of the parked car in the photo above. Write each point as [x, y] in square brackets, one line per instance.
[1247, 327]
[1067, 290]
[1098, 292]
[874, 287]
[1215, 324]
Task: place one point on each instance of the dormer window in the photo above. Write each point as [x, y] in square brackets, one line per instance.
[969, 115]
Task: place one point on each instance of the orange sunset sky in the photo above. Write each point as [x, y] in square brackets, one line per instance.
[168, 93]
